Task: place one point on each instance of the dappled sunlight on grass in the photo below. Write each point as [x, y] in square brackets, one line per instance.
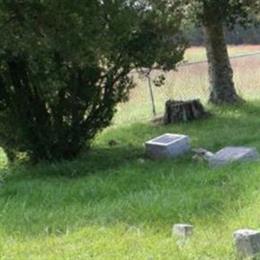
[109, 204]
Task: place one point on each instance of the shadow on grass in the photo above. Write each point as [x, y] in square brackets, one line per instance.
[111, 185]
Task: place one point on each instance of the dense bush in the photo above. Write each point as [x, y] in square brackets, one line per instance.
[64, 65]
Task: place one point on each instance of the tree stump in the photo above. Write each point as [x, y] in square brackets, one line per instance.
[183, 111]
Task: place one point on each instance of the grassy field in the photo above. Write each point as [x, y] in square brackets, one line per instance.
[191, 82]
[114, 203]
[195, 54]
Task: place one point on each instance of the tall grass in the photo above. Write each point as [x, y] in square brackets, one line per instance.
[114, 203]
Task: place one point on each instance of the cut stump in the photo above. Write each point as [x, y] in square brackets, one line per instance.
[183, 111]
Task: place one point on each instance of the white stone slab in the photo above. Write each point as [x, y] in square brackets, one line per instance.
[233, 154]
[247, 242]
[182, 230]
[168, 146]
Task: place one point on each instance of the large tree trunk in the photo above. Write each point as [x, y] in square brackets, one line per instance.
[220, 71]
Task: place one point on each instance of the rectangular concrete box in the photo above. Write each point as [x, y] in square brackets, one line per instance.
[247, 243]
[168, 146]
[233, 154]
[182, 230]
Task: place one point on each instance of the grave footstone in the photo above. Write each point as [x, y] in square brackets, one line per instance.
[168, 146]
[233, 154]
[247, 243]
[182, 230]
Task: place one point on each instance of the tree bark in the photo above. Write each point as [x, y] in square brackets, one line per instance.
[222, 89]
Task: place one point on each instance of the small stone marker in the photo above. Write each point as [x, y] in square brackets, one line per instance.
[182, 230]
[168, 146]
[247, 243]
[233, 154]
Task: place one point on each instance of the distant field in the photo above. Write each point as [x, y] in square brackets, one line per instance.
[192, 82]
[194, 54]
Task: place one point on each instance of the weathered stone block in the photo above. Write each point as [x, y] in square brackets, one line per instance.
[247, 243]
[168, 146]
[182, 230]
[233, 154]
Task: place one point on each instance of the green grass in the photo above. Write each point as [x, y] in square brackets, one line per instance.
[113, 203]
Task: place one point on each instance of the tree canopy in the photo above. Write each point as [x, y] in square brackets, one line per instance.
[229, 12]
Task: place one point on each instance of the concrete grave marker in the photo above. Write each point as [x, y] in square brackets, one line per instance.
[247, 243]
[233, 154]
[168, 146]
[182, 230]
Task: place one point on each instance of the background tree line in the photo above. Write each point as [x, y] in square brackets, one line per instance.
[238, 35]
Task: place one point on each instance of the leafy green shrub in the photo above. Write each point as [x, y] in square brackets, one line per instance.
[64, 66]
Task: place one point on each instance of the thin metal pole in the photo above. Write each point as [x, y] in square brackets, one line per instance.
[151, 94]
